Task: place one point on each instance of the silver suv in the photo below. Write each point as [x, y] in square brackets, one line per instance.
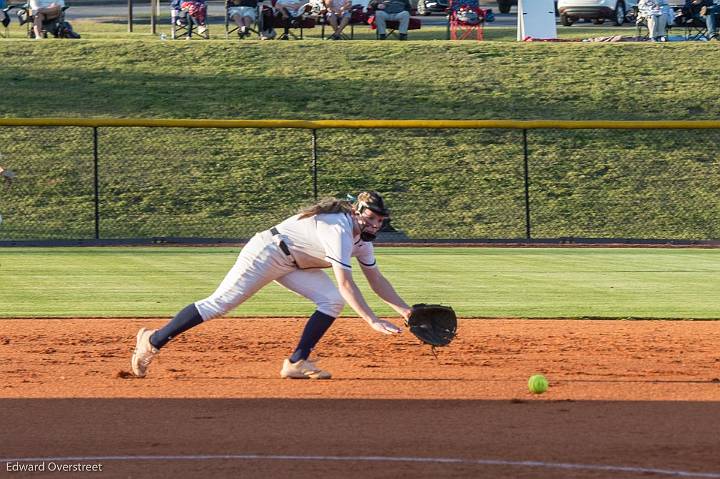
[596, 10]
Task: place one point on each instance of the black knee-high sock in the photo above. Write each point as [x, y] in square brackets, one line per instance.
[187, 318]
[316, 326]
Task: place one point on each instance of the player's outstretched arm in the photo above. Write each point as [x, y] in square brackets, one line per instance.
[385, 291]
[352, 296]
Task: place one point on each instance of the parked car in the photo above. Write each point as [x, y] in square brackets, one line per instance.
[505, 5]
[596, 10]
[426, 7]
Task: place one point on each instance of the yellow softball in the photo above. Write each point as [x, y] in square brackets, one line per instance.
[537, 384]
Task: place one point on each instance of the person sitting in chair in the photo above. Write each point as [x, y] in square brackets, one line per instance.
[711, 20]
[338, 16]
[197, 9]
[703, 11]
[397, 10]
[243, 13]
[655, 13]
[292, 12]
[43, 11]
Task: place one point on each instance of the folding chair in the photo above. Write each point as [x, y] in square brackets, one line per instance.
[302, 22]
[642, 32]
[185, 25]
[5, 20]
[357, 17]
[692, 23]
[695, 29]
[393, 25]
[232, 27]
[641, 25]
[57, 27]
[466, 20]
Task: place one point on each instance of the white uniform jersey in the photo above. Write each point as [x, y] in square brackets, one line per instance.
[321, 240]
[315, 242]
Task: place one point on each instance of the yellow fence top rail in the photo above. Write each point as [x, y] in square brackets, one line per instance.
[369, 124]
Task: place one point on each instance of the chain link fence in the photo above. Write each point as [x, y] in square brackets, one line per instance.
[200, 184]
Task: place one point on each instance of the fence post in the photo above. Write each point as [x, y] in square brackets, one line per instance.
[153, 16]
[130, 16]
[315, 164]
[96, 183]
[527, 185]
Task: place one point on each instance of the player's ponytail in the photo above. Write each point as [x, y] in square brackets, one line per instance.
[327, 206]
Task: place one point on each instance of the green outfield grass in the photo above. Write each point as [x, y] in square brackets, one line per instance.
[478, 282]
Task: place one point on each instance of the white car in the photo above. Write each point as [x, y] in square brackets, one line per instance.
[596, 10]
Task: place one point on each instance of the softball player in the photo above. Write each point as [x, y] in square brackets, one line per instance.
[325, 235]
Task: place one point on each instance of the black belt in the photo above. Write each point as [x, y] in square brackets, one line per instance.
[282, 244]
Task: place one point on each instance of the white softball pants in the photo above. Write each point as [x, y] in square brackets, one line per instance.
[260, 262]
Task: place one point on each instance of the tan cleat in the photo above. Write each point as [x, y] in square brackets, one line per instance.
[144, 353]
[303, 369]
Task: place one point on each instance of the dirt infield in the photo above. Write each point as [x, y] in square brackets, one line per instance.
[626, 399]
